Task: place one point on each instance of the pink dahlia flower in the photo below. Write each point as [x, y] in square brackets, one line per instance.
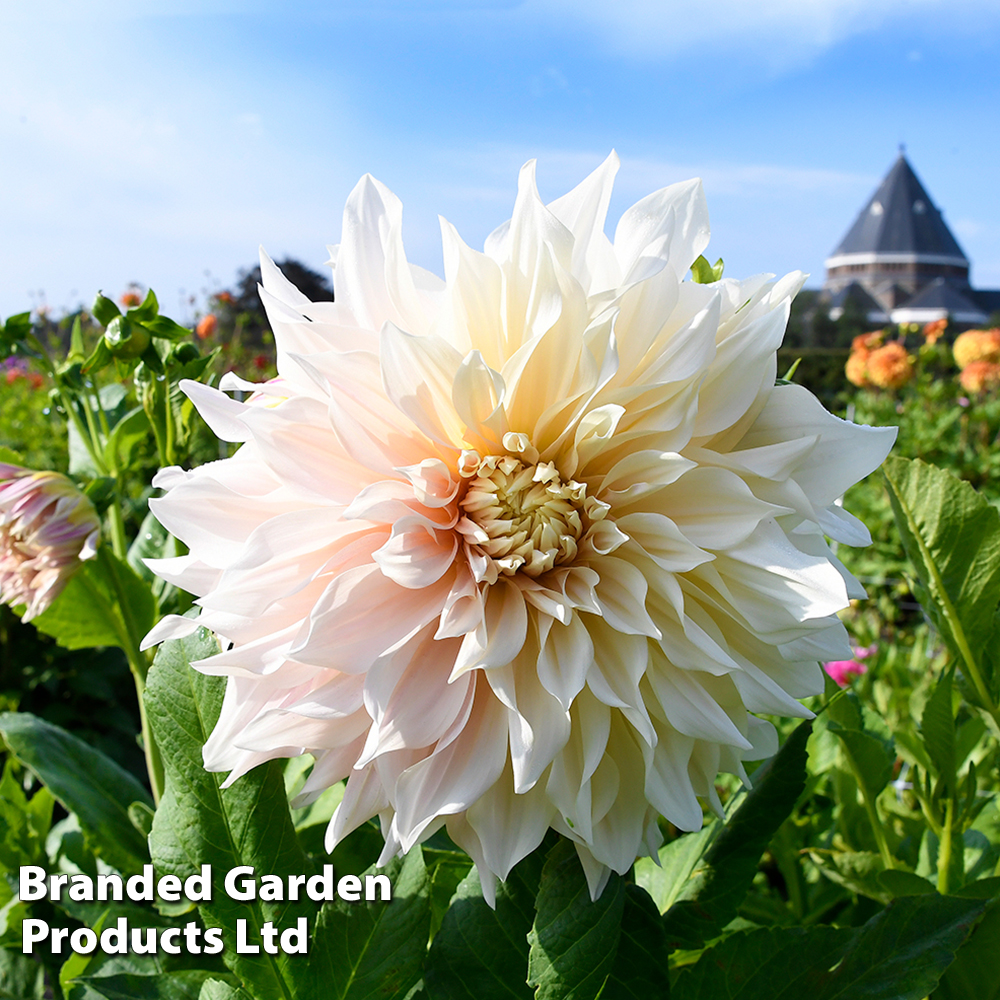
[47, 526]
[526, 547]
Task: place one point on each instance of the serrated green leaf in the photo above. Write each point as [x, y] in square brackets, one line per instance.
[640, 968]
[573, 941]
[704, 273]
[710, 898]
[368, 950]
[901, 953]
[86, 782]
[973, 974]
[952, 537]
[765, 964]
[198, 822]
[481, 953]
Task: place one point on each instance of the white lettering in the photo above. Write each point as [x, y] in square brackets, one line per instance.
[242, 947]
[349, 888]
[31, 884]
[384, 886]
[295, 940]
[198, 888]
[32, 929]
[248, 888]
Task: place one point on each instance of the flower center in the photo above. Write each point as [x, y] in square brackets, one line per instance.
[524, 517]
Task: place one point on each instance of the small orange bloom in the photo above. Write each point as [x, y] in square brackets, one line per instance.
[933, 332]
[890, 367]
[868, 341]
[206, 326]
[36, 380]
[976, 345]
[130, 299]
[225, 298]
[980, 376]
[856, 369]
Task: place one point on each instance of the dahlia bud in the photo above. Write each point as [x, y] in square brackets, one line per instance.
[47, 526]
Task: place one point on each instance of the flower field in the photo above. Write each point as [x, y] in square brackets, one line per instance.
[538, 590]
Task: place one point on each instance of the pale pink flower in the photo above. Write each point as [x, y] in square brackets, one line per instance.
[524, 548]
[47, 526]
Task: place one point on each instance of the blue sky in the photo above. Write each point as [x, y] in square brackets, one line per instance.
[162, 142]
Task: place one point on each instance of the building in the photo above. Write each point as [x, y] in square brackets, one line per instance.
[899, 261]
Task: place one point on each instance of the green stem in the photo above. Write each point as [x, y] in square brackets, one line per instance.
[139, 665]
[168, 425]
[944, 848]
[119, 542]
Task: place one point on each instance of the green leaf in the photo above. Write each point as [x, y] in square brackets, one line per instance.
[167, 329]
[640, 969]
[100, 358]
[705, 273]
[198, 822]
[11, 457]
[375, 949]
[21, 977]
[871, 758]
[678, 859]
[482, 953]
[104, 310]
[902, 951]
[711, 896]
[952, 537]
[126, 437]
[766, 964]
[217, 989]
[87, 614]
[857, 871]
[937, 726]
[86, 783]
[186, 985]
[76, 352]
[573, 941]
[973, 974]
[901, 883]
[899, 954]
[149, 309]
[24, 825]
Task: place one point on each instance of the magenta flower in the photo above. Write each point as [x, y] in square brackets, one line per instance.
[47, 526]
[842, 671]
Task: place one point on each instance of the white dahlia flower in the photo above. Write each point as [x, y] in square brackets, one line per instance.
[524, 548]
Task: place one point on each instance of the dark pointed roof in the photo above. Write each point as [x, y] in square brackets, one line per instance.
[942, 294]
[900, 218]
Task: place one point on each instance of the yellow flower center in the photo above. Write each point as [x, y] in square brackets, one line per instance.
[524, 517]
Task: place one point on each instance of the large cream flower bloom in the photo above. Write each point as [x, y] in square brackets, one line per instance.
[524, 548]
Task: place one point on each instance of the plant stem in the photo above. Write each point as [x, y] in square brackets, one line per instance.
[138, 663]
[944, 848]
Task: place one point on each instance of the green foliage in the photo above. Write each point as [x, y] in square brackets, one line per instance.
[709, 899]
[86, 783]
[574, 940]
